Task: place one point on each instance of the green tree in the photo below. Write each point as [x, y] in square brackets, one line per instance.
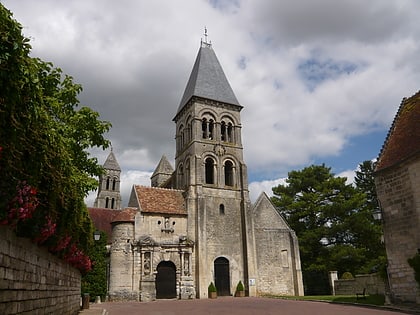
[95, 281]
[44, 136]
[372, 234]
[329, 219]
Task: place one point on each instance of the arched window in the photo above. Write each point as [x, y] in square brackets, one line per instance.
[230, 132]
[223, 131]
[204, 128]
[114, 184]
[222, 209]
[112, 203]
[211, 129]
[228, 173]
[181, 176]
[106, 202]
[107, 183]
[209, 171]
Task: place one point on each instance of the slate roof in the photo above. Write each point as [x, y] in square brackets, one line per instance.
[111, 162]
[160, 200]
[403, 139]
[102, 219]
[164, 167]
[208, 80]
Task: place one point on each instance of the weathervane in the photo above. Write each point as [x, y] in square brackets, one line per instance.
[205, 38]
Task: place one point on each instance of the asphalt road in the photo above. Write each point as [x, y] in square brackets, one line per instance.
[239, 306]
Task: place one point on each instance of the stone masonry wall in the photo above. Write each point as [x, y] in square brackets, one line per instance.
[398, 190]
[371, 282]
[32, 281]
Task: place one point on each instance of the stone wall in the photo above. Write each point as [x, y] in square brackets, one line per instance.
[372, 283]
[32, 281]
[398, 189]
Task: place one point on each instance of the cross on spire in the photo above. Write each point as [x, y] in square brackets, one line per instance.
[205, 42]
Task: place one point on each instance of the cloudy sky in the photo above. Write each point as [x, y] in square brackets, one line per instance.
[320, 81]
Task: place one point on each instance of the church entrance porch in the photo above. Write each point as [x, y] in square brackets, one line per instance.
[166, 280]
[222, 276]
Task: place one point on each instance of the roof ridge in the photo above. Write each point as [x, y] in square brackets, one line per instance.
[160, 188]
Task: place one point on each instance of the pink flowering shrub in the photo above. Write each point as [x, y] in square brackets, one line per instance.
[22, 206]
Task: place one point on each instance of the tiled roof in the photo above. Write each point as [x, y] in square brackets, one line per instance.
[160, 200]
[102, 219]
[126, 215]
[403, 139]
[208, 80]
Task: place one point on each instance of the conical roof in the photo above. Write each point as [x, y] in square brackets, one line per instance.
[111, 163]
[164, 167]
[208, 80]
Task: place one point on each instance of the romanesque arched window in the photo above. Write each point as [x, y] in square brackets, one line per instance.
[209, 170]
[114, 184]
[230, 132]
[204, 128]
[211, 129]
[181, 176]
[107, 182]
[112, 203]
[222, 209]
[106, 202]
[229, 173]
[223, 131]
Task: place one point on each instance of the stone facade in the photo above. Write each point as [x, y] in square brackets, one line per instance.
[397, 181]
[197, 225]
[32, 281]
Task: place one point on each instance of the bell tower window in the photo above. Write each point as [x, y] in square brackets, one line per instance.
[229, 173]
[209, 169]
[223, 131]
[107, 183]
[230, 133]
[204, 128]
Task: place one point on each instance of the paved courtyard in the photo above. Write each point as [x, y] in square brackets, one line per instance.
[238, 306]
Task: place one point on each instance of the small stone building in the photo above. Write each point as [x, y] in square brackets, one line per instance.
[196, 224]
[397, 180]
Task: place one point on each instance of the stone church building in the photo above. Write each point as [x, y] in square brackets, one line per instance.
[196, 224]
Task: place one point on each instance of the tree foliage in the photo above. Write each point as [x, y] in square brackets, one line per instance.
[95, 282]
[43, 140]
[333, 224]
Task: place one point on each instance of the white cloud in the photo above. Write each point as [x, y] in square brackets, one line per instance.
[134, 59]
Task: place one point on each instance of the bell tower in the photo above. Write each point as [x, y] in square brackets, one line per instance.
[209, 166]
[109, 195]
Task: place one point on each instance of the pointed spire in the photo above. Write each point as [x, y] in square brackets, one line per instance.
[162, 173]
[111, 162]
[207, 79]
[164, 167]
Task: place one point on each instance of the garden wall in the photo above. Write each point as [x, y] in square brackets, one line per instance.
[372, 282]
[32, 281]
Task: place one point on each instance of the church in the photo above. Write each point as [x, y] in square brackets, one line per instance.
[195, 224]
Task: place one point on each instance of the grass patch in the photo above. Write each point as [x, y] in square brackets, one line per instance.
[370, 299]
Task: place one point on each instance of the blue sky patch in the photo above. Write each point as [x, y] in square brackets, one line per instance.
[225, 6]
[315, 71]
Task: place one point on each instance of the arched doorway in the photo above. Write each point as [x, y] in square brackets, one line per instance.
[166, 280]
[222, 276]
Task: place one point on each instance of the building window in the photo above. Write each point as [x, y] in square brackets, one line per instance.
[209, 171]
[204, 128]
[211, 129]
[112, 203]
[107, 183]
[222, 209]
[228, 173]
[114, 184]
[106, 202]
[223, 131]
[230, 132]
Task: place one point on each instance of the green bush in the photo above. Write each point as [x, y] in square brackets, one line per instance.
[414, 263]
[240, 286]
[212, 287]
[347, 276]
